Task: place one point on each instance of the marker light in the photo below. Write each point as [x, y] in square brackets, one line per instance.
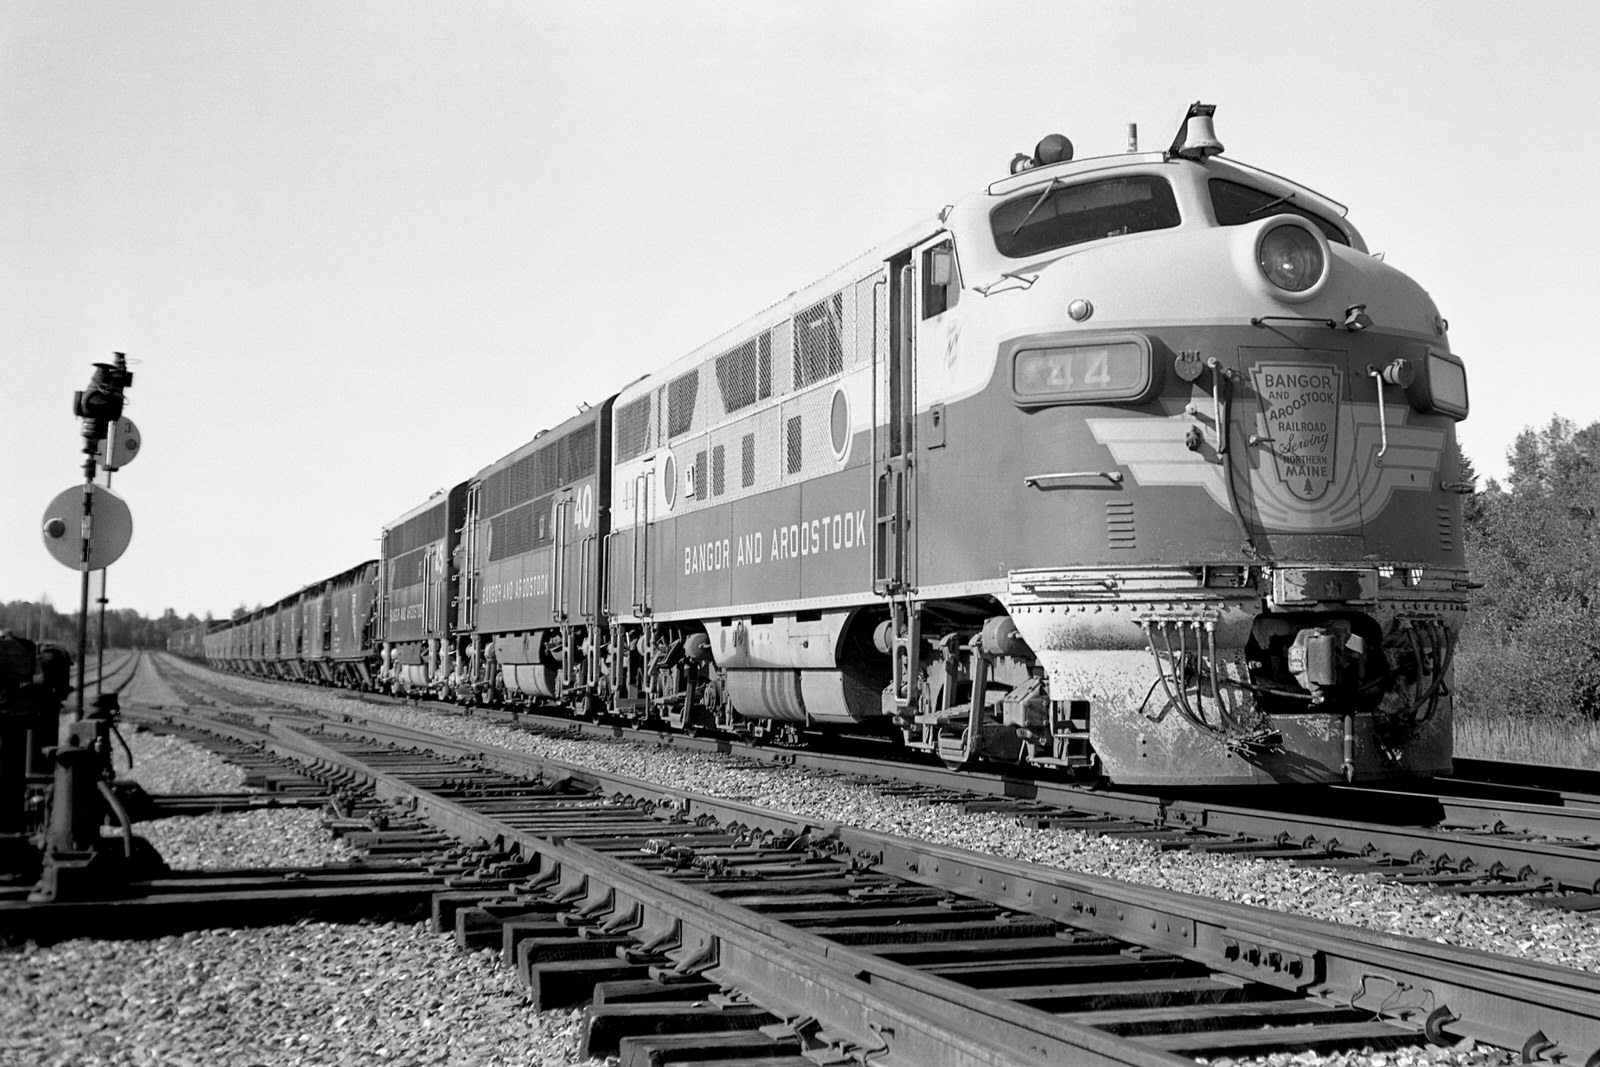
[1356, 317]
[1439, 384]
[1290, 258]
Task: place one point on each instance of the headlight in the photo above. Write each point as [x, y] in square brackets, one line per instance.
[1290, 258]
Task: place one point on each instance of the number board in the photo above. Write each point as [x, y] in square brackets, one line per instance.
[1062, 374]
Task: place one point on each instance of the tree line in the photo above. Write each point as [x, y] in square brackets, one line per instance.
[125, 627]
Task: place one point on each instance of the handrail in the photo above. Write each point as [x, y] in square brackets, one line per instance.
[1034, 481]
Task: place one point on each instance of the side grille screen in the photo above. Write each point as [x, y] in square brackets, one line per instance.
[418, 531]
[565, 460]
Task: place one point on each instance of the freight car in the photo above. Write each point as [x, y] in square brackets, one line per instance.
[348, 655]
[324, 635]
[188, 642]
[1139, 466]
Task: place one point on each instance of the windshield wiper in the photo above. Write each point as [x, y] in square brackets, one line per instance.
[1047, 191]
[1270, 204]
[1024, 281]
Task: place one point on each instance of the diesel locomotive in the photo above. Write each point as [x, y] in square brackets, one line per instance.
[1139, 466]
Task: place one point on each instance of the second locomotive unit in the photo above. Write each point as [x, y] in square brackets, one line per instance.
[1139, 466]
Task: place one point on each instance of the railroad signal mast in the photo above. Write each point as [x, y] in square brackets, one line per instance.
[73, 855]
[100, 407]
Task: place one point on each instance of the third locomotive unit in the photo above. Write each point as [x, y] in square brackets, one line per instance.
[1140, 466]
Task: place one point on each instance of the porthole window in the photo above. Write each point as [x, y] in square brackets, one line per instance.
[839, 423]
[669, 480]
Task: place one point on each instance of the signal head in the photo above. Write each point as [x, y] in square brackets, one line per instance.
[103, 400]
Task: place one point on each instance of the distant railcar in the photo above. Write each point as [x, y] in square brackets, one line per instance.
[352, 658]
[218, 640]
[188, 642]
[255, 642]
[292, 615]
[315, 633]
[272, 641]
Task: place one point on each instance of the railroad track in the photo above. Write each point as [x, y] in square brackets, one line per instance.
[754, 930]
[1536, 844]
[112, 676]
[401, 861]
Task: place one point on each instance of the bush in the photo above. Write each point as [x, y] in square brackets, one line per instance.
[1532, 648]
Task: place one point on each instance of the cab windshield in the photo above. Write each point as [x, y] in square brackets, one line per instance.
[1237, 204]
[1062, 215]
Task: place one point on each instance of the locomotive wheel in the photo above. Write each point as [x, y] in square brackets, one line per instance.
[955, 750]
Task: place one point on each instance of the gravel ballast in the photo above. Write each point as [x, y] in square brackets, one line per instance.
[275, 837]
[1500, 925]
[1505, 926]
[280, 837]
[312, 994]
[163, 763]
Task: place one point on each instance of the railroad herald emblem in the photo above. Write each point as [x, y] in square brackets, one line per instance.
[1291, 475]
[1300, 413]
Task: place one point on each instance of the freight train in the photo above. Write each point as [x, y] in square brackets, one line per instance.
[1139, 466]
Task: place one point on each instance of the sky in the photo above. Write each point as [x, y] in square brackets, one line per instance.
[357, 251]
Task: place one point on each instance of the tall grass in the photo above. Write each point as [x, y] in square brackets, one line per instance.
[1484, 735]
[1512, 702]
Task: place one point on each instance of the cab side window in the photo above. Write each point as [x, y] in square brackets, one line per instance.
[941, 287]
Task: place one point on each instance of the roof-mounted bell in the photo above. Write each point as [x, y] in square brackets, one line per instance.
[1196, 139]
